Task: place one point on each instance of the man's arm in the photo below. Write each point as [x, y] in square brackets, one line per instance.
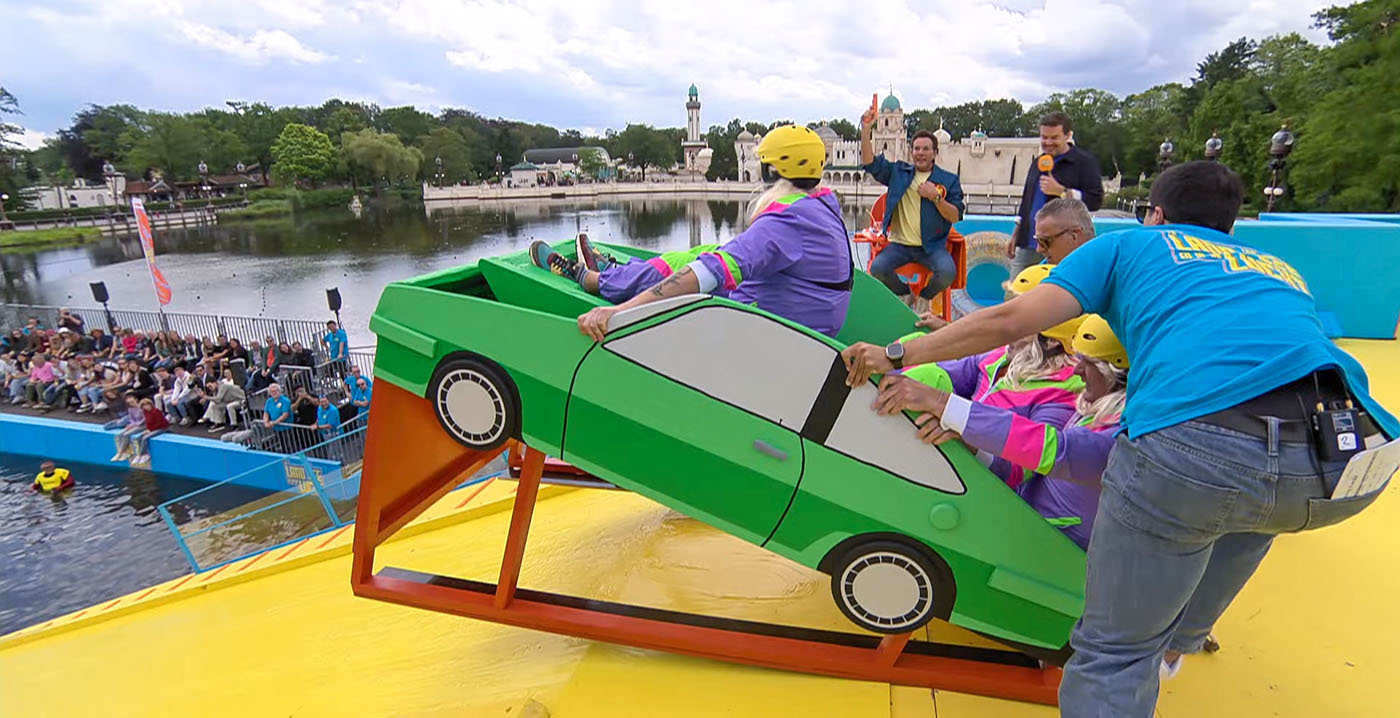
[1041, 308]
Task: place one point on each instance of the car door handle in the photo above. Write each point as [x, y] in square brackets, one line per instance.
[768, 449]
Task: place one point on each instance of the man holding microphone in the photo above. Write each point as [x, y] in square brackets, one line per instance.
[1062, 170]
[1243, 421]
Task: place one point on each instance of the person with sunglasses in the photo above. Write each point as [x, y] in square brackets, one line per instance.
[1216, 454]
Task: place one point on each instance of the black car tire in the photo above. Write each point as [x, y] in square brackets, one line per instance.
[888, 586]
[475, 403]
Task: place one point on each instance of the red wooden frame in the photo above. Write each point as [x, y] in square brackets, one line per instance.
[410, 463]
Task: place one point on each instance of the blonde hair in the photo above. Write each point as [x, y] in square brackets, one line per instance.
[1034, 359]
[1107, 409]
[782, 188]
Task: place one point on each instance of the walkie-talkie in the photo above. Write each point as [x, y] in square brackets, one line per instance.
[1337, 430]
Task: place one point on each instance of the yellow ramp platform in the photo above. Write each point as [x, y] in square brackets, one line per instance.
[281, 634]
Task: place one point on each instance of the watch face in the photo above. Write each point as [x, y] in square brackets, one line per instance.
[894, 351]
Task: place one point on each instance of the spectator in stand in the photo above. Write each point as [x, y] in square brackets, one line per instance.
[236, 351]
[337, 344]
[258, 380]
[196, 402]
[90, 388]
[192, 351]
[133, 420]
[181, 390]
[130, 343]
[38, 341]
[165, 358]
[301, 356]
[277, 416]
[224, 396]
[304, 408]
[18, 377]
[66, 377]
[284, 354]
[9, 368]
[15, 342]
[143, 385]
[70, 321]
[147, 350]
[327, 418]
[32, 326]
[154, 422]
[117, 382]
[354, 377]
[102, 345]
[257, 358]
[220, 351]
[360, 398]
[272, 358]
[65, 344]
[165, 383]
[41, 375]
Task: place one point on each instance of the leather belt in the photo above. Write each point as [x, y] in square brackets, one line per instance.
[1292, 403]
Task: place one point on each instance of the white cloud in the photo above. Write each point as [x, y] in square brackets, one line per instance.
[261, 47]
[31, 139]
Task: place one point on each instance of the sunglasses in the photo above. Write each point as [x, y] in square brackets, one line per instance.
[1044, 242]
[1142, 211]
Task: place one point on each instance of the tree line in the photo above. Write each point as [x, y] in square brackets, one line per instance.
[1341, 100]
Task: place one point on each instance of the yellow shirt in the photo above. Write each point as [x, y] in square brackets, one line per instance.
[905, 224]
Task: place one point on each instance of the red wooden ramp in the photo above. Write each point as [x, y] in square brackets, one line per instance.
[410, 463]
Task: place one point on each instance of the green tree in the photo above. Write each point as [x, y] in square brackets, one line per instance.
[1149, 117]
[376, 155]
[172, 145]
[409, 123]
[455, 153]
[259, 125]
[1095, 116]
[647, 147]
[591, 163]
[1348, 150]
[843, 128]
[9, 151]
[302, 153]
[724, 163]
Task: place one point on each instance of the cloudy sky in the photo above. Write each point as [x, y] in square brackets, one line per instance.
[593, 64]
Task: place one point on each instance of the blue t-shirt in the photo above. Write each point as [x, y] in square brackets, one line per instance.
[328, 415]
[276, 408]
[358, 394]
[337, 344]
[1208, 323]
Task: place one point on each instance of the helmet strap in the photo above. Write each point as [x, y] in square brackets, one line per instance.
[768, 174]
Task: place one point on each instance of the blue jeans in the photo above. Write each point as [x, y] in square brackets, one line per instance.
[939, 262]
[1185, 517]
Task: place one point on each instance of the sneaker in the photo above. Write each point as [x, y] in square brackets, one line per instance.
[101, 406]
[215, 428]
[545, 257]
[591, 258]
[186, 421]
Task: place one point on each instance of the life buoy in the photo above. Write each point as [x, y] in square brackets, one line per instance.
[987, 267]
[59, 480]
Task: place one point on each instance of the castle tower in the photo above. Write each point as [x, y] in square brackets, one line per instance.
[745, 146]
[693, 143]
[889, 137]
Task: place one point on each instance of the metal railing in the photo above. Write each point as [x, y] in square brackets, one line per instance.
[245, 329]
[322, 488]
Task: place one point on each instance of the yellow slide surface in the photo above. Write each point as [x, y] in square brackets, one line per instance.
[280, 634]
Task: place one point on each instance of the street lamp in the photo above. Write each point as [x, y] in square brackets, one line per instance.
[204, 177]
[1213, 146]
[438, 160]
[500, 173]
[1164, 154]
[4, 220]
[630, 165]
[1279, 146]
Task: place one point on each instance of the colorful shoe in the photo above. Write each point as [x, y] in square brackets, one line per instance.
[545, 257]
[591, 258]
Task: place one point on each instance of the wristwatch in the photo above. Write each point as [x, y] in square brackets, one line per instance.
[895, 353]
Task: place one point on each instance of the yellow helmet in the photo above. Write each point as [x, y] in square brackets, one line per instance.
[793, 151]
[1030, 277]
[1095, 339]
[1026, 281]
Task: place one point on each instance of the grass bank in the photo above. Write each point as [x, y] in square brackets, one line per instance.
[28, 238]
[259, 209]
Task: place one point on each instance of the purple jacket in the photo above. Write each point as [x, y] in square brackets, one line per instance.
[791, 261]
[1067, 461]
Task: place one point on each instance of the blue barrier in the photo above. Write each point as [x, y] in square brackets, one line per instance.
[190, 457]
[1348, 261]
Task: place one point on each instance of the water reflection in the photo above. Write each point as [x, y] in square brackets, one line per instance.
[282, 267]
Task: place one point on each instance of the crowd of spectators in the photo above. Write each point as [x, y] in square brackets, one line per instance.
[154, 379]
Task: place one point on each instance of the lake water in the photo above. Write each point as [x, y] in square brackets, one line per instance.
[98, 540]
[281, 268]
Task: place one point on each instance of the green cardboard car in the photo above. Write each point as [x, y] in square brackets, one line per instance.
[741, 419]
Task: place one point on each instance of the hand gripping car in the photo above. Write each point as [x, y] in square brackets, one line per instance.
[778, 452]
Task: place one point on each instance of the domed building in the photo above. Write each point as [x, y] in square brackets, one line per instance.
[842, 156]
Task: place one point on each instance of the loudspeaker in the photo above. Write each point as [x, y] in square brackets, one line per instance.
[333, 298]
[99, 292]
